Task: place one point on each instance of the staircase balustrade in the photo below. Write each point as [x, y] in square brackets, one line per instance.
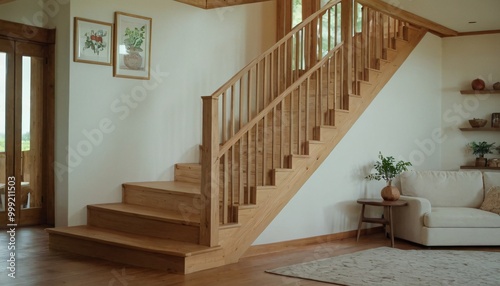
[271, 108]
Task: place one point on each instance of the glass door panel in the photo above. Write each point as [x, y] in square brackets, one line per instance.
[32, 90]
[8, 208]
[28, 136]
[3, 90]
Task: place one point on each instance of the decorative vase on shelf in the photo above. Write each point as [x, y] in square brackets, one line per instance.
[390, 192]
[495, 120]
[496, 86]
[481, 162]
[493, 163]
[478, 84]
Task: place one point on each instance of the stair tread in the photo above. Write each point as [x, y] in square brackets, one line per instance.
[150, 213]
[133, 241]
[188, 165]
[168, 186]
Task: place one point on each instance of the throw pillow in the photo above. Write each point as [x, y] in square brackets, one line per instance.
[491, 202]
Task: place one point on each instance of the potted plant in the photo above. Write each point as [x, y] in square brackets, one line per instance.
[480, 149]
[133, 40]
[386, 169]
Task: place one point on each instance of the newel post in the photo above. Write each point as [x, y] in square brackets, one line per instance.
[209, 216]
[347, 37]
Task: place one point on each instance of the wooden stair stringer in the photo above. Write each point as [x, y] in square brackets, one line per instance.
[236, 241]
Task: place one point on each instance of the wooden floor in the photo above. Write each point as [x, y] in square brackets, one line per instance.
[37, 265]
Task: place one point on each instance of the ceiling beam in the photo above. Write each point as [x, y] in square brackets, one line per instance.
[211, 4]
[411, 18]
[5, 1]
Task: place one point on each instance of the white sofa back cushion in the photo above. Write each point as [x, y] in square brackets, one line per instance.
[491, 179]
[445, 188]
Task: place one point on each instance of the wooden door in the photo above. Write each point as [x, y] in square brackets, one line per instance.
[23, 88]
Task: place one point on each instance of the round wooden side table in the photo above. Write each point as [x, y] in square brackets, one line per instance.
[388, 205]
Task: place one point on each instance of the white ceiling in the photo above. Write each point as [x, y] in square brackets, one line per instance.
[456, 14]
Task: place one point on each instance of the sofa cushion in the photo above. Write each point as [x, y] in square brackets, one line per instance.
[491, 179]
[445, 188]
[457, 217]
[491, 201]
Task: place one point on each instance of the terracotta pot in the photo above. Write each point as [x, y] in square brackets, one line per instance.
[478, 84]
[133, 60]
[481, 162]
[390, 193]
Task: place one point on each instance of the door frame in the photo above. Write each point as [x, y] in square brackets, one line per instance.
[24, 33]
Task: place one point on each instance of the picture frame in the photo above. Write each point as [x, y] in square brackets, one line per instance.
[93, 42]
[132, 46]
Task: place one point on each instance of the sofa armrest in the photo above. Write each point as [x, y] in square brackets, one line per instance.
[409, 220]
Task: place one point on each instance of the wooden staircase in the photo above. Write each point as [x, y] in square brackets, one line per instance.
[211, 214]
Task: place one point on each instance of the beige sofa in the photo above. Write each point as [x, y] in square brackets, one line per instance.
[444, 208]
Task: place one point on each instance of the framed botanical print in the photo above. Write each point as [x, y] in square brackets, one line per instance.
[132, 44]
[93, 42]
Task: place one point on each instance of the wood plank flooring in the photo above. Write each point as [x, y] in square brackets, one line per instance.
[37, 265]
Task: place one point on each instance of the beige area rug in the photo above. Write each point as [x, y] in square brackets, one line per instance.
[389, 266]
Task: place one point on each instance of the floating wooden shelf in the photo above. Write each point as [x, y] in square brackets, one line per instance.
[479, 168]
[480, 91]
[479, 129]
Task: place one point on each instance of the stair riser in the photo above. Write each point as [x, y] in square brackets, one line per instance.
[263, 195]
[188, 174]
[400, 43]
[326, 134]
[339, 117]
[355, 102]
[279, 176]
[364, 87]
[162, 200]
[118, 254]
[390, 54]
[371, 75]
[143, 226]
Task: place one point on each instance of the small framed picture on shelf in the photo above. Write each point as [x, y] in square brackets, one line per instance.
[132, 46]
[93, 42]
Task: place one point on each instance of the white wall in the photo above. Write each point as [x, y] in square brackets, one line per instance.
[401, 122]
[464, 59]
[194, 51]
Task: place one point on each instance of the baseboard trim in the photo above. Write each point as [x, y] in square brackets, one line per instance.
[255, 250]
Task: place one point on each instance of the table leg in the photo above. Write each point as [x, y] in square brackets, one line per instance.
[360, 220]
[392, 230]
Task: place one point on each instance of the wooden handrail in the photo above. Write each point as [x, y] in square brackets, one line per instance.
[275, 102]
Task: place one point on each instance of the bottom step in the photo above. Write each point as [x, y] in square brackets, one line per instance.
[142, 251]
